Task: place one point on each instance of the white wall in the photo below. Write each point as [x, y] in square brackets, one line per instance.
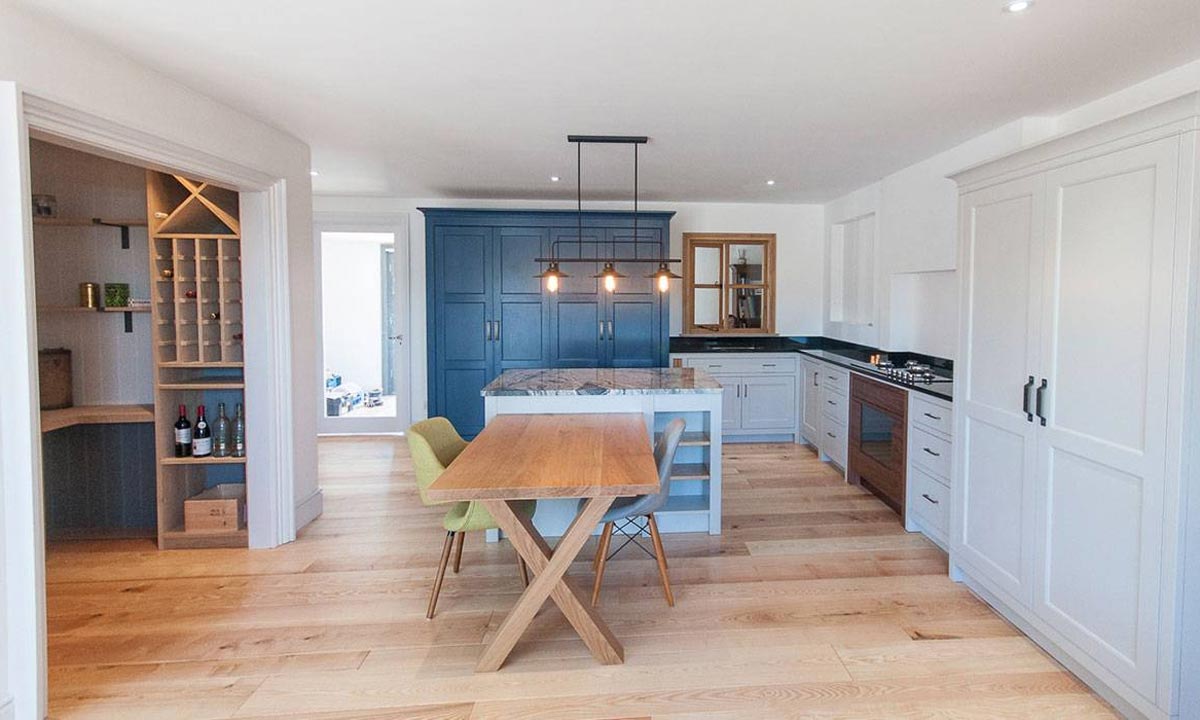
[799, 233]
[109, 365]
[351, 305]
[917, 211]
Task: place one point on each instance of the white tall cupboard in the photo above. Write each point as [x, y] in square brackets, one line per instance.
[1076, 443]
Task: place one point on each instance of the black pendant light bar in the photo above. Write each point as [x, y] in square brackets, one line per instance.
[555, 258]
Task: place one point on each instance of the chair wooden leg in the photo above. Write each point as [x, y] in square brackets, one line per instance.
[662, 560]
[524, 570]
[601, 561]
[458, 550]
[441, 573]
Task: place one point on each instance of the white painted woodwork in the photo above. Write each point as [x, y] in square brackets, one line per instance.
[810, 396]
[761, 400]
[768, 402]
[1001, 270]
[731, 402]
[929, 467]
[1079, 267]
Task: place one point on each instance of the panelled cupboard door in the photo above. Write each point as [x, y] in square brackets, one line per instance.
[731, 402]
[634, 337]
[1106, 354]
[995, 442]
[768, 402]
[464, 307]
[521, 334]
[811, 401]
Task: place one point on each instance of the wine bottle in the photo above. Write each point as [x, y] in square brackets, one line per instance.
[239, 433]
[202, 437]
[221, 438]
[183, 434]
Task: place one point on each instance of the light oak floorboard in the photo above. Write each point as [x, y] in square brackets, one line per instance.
[813, 603]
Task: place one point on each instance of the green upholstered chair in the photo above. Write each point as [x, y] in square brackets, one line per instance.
[433, 445]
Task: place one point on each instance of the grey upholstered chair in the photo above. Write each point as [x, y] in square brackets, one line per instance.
[624, 514]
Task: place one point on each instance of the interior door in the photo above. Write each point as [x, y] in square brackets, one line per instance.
[1106, 357]
[995, 440]
[364, 315]
[462, 324]
[521, 321]
[768, 402]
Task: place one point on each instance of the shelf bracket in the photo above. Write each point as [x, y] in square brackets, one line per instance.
[124, 244]
[128, 322]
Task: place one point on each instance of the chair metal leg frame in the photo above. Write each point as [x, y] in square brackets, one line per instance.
[650, 527]
[441, 573]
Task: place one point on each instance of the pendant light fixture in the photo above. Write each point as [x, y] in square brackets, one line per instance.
[609, 275]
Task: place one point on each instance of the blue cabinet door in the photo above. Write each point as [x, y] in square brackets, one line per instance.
[577, 310]
[459, 324]
[636, 310]
[522, 330]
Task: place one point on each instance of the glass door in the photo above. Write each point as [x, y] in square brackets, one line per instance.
[364, 383]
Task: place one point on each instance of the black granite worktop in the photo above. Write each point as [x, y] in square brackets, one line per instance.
[837, 352]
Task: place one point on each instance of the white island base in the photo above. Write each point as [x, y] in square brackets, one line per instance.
[660, 395]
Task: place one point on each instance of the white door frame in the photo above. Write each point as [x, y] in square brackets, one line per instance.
[271, 504]
[397, 224]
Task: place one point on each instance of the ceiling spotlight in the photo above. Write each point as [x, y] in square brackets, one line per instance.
[1017, 6]
[770, 182]
[314, 173]
[553, 178]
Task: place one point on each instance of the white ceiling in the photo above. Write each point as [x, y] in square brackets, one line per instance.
[474, 98]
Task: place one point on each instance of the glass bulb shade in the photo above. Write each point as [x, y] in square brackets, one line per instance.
[610, 281]
[552, 283]
[664, 283]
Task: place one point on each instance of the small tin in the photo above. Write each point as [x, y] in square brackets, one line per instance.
[89, 295]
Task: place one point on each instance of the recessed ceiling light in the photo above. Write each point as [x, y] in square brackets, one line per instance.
[1017, 6]
[770, 182]
[314, 173]
[553, 178]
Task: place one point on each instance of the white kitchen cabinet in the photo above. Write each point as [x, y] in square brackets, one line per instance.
[1078, 331]
[810, 395]
[929, 468]
[760, 399]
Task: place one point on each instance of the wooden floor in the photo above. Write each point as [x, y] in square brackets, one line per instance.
[813, 604]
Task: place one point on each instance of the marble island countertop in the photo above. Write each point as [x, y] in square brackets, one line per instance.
[603, 381]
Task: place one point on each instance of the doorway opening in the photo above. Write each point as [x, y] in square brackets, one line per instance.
[363, 311]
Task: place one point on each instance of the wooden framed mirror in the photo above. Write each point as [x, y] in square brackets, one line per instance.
[729, 283]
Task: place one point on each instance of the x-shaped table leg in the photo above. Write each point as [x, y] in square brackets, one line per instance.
[550, 567]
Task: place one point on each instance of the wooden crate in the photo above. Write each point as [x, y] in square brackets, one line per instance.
[221, 508]
[54, 378]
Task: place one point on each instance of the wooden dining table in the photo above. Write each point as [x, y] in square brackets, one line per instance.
[528, 457]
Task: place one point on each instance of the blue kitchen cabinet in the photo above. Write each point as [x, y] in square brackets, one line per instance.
[486, 312]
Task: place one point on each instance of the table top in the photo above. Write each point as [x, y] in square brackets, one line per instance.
[526, 457]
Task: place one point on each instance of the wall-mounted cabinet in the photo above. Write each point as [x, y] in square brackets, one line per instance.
[729, 283]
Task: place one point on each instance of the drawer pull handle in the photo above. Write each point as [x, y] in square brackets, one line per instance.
[831, 435]
[935, 454]
[931, 415]
[768, 364]
[831, 402]
[926, 496]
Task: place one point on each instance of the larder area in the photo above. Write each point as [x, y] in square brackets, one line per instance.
[813, 602]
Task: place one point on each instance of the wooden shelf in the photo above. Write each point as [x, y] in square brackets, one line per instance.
[690, 471]
[203, 384]
[96, 415]
[185, 364]
[180, 540]
[691, 439]
[90, 222]
[66, 309]
[129, 309]
[209, 460]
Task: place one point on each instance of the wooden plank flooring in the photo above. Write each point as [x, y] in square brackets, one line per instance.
[814, 603]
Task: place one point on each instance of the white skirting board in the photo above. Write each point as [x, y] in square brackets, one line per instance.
[309, 509]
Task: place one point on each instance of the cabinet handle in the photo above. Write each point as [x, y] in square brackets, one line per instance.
[1025, 399]
[831, 435]
[487, 330]
[926, 496]
[611, 335]
[712, 365]
[831, 402]
[932, 416]
[932, 452]
[1041, 398]
[601, 329]
[497, 326]
[768, 364]
[816, 379]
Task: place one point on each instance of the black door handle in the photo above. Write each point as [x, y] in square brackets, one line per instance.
[1025, 399]
[1041, 398]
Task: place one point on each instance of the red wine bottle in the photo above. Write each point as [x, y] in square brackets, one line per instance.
[183, 434]
[202, 438]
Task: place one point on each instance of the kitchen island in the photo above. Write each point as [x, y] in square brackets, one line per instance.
[659, 395]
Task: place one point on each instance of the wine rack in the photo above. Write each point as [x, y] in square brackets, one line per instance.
[196, 269]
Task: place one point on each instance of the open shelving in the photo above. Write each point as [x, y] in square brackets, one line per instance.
[196, 299]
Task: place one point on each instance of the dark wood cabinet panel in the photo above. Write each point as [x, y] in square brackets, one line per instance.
[878, 443]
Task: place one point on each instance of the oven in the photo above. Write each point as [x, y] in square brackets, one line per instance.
[878, 444]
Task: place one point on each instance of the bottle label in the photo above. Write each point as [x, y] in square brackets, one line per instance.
[183, 436]
[202, 446]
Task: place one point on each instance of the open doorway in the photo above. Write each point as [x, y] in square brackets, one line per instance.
[363, 322]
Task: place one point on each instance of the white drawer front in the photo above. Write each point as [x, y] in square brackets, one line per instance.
[745, 365]
[833, 441]
[836, 379]
[929, 499]
[835, 406]
[930, 452]
[931, 415]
